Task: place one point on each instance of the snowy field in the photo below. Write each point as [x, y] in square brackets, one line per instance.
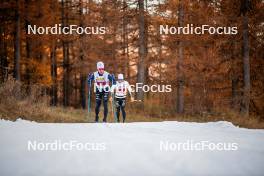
[158, 148]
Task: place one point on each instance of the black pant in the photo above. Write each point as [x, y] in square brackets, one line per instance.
[120, 104]
[99, 97]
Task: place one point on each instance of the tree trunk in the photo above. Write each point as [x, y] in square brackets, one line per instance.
[17, 43]
[124, 60]
[180, 79]
[65, 48]
[66, 74]
[142, 50]
[82, 75]
[54, 95]
[246, 67]
[235, 102]
[28, 46]
[3, 56]
[126, 46]
[82, 91]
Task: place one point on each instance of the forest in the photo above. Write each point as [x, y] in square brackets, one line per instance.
[212, 75]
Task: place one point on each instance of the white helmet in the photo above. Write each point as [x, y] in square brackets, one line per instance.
[120, 76]
[100, 65]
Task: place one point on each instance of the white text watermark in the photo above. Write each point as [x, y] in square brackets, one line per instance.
[191, 145]
[190, 29]
[59, 29]
[71, 145]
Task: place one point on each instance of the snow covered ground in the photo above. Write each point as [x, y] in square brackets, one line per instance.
[158, 148]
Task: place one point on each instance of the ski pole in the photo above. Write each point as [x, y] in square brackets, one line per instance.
[89, 99]
[114, 107]
[113, 103]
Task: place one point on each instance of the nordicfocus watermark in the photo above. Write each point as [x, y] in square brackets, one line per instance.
[136, 88]
[190, 29]
[190, 145]
[71, 145]
[59, 29]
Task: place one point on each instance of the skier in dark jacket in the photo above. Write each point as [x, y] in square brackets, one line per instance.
[102, 81]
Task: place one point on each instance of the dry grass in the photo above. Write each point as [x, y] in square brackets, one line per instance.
[16, 103]
[252, 122]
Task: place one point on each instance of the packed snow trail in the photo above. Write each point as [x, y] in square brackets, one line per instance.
[129, 149]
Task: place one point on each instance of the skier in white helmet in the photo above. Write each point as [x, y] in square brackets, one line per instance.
[120, 90]
[102, 81]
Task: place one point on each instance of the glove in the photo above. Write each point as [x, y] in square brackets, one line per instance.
[89, 79]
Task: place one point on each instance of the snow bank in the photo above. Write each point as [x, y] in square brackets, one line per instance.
[130, 149]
